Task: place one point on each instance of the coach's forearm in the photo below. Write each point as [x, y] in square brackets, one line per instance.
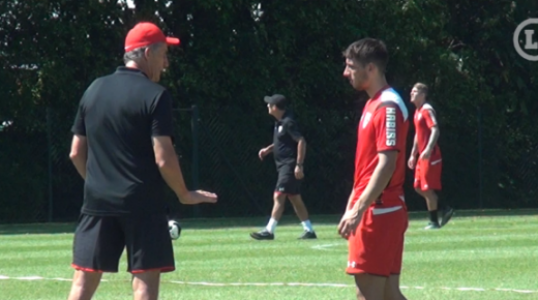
[301, 150]
[79, 154]
[378, 182]
[173, 176]
[79, 161]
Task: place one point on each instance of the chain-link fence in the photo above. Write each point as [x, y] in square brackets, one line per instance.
[24, 169]
[218, 152]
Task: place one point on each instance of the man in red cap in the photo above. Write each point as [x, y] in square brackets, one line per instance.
[123, 150]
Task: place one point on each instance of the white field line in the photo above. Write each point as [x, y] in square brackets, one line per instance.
[301, 284]
[326, 246]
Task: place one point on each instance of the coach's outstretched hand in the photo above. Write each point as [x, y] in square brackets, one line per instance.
[197, 197]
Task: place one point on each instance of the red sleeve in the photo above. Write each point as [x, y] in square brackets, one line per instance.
[388, 121]
[429, 116]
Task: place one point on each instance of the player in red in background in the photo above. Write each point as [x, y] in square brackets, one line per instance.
[375, 220]
[428, 168]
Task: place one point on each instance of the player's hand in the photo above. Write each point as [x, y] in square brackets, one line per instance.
[411, 163]
[262, 153]
[426, 154]
[197, 197]
[349, 223]
[299, 172]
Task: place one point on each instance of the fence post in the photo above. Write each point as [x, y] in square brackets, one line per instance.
[480, 198]
[195, 145]
[49, 154]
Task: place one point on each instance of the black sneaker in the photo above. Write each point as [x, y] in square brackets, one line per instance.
[447, 214]
[432, 225]
[308, 235]
[262, 235]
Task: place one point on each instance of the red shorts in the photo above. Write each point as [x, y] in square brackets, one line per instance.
[428, 174]
[377, 245]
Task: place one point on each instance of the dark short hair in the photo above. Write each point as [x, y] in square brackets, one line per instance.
[368, 50]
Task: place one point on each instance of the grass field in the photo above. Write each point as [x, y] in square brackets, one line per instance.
[478, 255]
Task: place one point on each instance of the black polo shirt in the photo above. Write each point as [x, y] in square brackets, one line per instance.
[119, 114]
[286, 134]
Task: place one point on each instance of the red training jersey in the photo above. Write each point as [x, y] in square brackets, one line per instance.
[383, 126]
[424, 120]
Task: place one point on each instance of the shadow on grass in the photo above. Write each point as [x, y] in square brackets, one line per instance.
[254, 222]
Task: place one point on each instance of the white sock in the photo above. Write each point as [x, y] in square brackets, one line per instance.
[307, 225]
[271, 226]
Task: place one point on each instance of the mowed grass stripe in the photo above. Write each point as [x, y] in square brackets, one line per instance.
[472, 237]
[36, 254]
[484, 252]
[284, 239]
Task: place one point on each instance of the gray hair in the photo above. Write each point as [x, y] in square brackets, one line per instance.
[138, 53]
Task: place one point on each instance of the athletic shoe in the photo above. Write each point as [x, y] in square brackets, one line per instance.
[308, 235]
[262, 235]
[432, 225]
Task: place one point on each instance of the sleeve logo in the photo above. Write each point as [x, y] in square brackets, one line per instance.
[390, 126]
[432, 116]
[365, 119]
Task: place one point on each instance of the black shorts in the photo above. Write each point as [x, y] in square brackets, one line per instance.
[99, 243]
[286, 182]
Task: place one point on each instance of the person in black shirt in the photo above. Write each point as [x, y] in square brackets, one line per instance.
[289, 149]
[123, 150]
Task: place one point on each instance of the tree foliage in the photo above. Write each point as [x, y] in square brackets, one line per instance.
[235, 52]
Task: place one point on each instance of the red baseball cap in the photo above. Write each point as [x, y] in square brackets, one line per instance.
[146, 33]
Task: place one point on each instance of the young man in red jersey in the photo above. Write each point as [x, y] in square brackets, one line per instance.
[375, 220]
[429, 165]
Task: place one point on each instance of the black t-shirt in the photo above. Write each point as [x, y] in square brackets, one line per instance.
[119, 114]
[286, 135]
